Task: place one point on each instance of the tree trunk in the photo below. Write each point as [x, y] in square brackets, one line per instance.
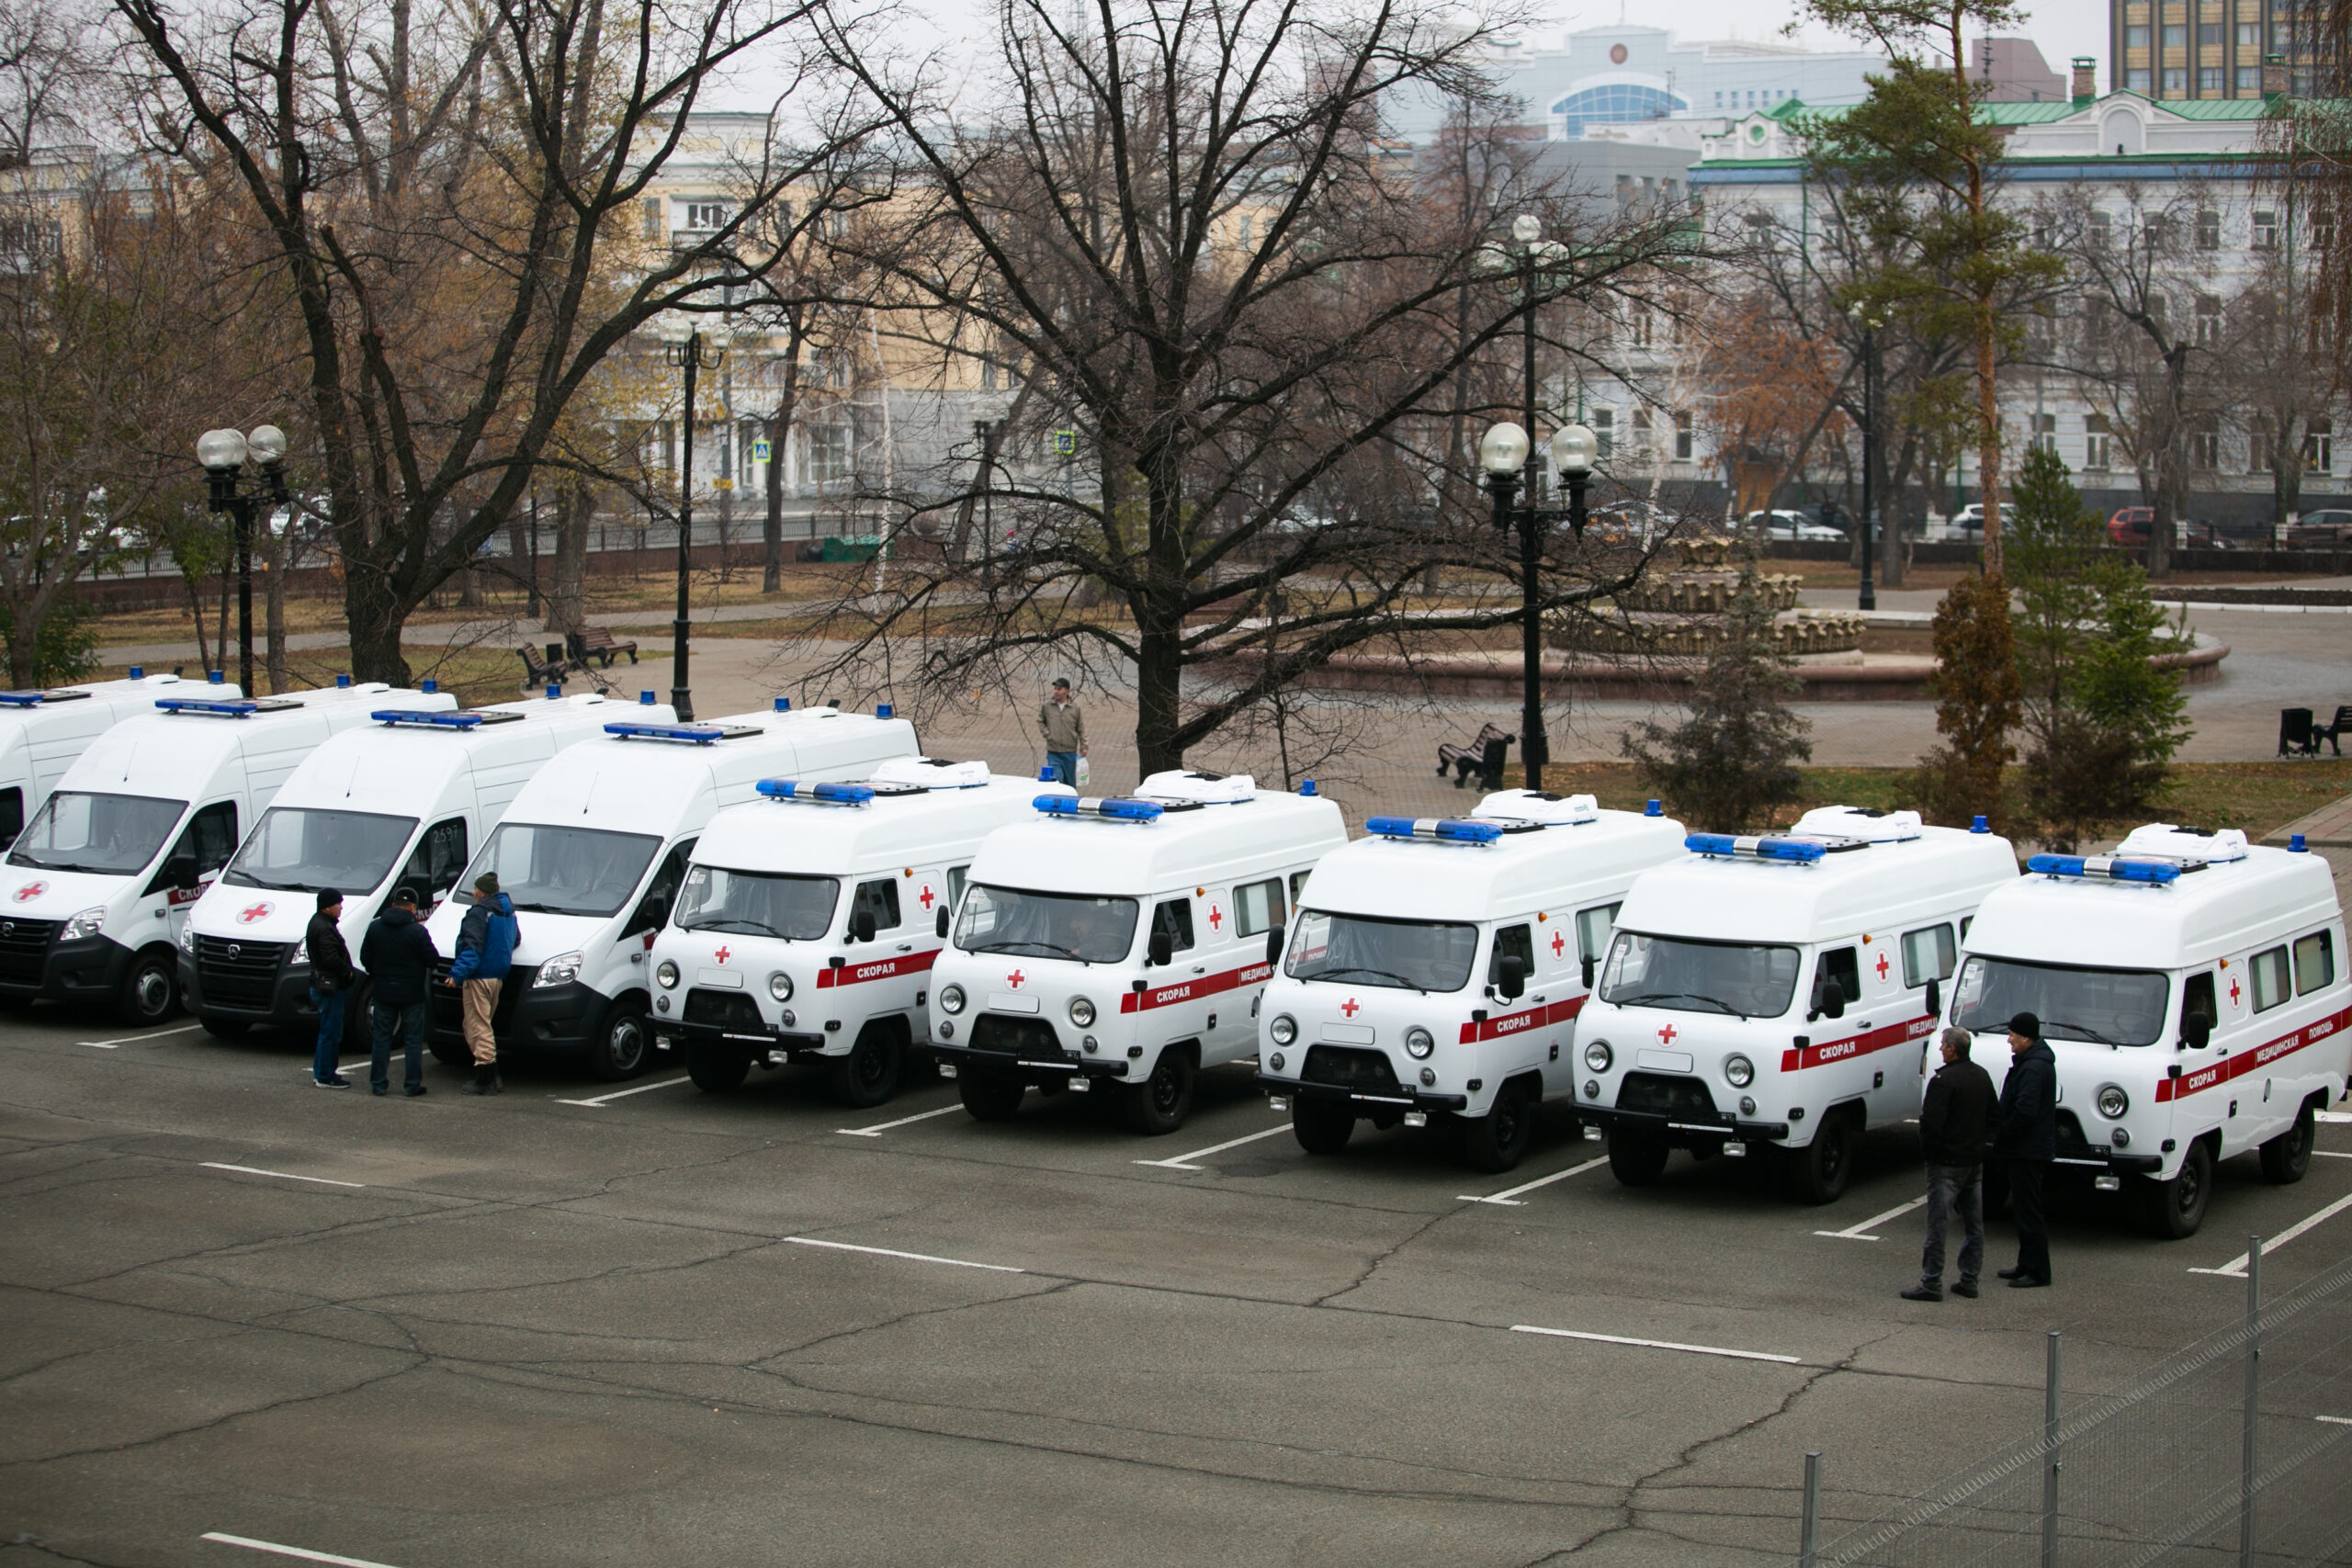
[275, 552]
[779, 433]
[567, 598]
[221, 638]
[376, 616]
[195, 614]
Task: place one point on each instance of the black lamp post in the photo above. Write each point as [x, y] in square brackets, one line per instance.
[224, 454]
[1504, 454]
[1870, 325]
[690, 350]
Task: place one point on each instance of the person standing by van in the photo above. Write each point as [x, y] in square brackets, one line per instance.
[331, 978]
[398, 956]
[2025, 1134]
[1953, 1117]
[485, 951]
[1064, 729]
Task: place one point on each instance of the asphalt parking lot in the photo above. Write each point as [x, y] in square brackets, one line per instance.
[587, 1324]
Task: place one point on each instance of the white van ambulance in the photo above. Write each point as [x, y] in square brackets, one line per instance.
[100, 882]
[1777, 991]
[400, 802]
[809, 920]
[42, 732]
[1375, 1014]
[593, 851]
[2191, 986]
[1123, 941]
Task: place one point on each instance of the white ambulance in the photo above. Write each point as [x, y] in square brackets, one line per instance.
[2191, 986]
[399, 803]
[1438, 965]
[1779, 991]
[42, 732]
[1123, 941]
[100, 882]
[809, 922]
[593, 851]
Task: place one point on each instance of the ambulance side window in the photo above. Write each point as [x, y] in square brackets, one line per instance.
[2314, 961]
[1175, 918]
[1518, 942]
[12, 814]
[1297, 887]
[1842, 965]
[210, 836]
[2270, 982]
[1258, 907]
[2197, 998]
[440, 857]
[653, 909]
[956, 885]
[1927, 956]
[1593, 927]
[878, 898]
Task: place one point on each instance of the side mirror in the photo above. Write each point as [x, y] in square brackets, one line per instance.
[1829, 999]
[1163, 948]
[1935, 997]
[1585, 972]
[1274, 942]
[861, 926]
[180, 870]
[1510, 976]
[2196, 1031]
[942, 922]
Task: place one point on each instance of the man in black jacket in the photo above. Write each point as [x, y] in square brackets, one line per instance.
[331, 978]
[398, 955]
[2025, 1134]
[1953, 1122]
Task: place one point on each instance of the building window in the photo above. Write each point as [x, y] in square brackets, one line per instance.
[652, 208]
[2136, 37]
[1642, 430]
[828, 461]
[1616, 103]
[2208, 35]
[2208, 78]
[2046, 431]
[1604, 432]
[2102, 229]
[2322, 231]
[2096, 441]
[2265, 230]
[2205, 444]
[1686, 441]
[2136, 81]
[2319, 446]
[2209, 321]
[2176, 78]
[705, 215]
[2249, 35]
[2249, 78]
[2209, 230]
[2176, 35]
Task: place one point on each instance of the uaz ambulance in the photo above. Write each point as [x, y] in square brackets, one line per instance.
[2191, 986]
[809, 920]
[99, 884]
[1778, 991]
[1439, 966]
[42, 732]
[399, 801]
[593, 851]
[1121, 943]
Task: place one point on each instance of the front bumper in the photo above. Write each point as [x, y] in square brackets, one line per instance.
[794, 1042]
[1404, 1098]
[527, 1018]
[89, 970]
[1682, 1127]
[1029, 1066]
[289, 1001]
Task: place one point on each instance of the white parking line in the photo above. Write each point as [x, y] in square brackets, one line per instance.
[2331, 1153]
[2235, 1268]
[1658, 1344]
[1855, 1232]
[624, 1093]
[881, 1127]
[2335, 1420]
[2335, 1115]
[135, 1039]
[281, 1175]
[1176, 1162]
[305, 1554]
[1508, 1196]
[912, 1257]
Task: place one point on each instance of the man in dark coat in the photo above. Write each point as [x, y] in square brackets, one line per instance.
[2025, 1133]
[1953, 1119]
[331, 978]
[398, 955]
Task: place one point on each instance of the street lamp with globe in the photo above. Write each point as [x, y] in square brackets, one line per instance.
[224, 454]
[1503, 453]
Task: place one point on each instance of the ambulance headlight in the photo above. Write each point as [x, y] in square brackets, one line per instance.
[1418, 1042]
[780, 986]
[2113, 1103]
[1081, 1012]
[188, 936]
[665, 973]
[88, 924]
[564, 968]
[1597, 1056]
[301, 958]
[1283, 1030]
[951, 999]
[1738, 1071]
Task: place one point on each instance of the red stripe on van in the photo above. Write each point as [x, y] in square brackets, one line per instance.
[2245, 1062]
[1193, 990]
[857, 974]
[1521, 1022]
[1845, 1050]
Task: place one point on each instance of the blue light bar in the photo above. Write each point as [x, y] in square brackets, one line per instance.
[700, 734]
[2155, 872]
[22, 699]
[432, 720]
[1116, 807]
[1802, 851]
[1449, 830]
[206, 706]
[826, 794]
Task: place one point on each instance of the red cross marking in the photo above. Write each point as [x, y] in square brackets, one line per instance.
[2234, 990]
[253, 912]
[1217, 917]
[1015, 979]
[722, 956]
[926, 896]
[1350, 1006]
[1559, 944]
[1881, 967]
[1666, 1035]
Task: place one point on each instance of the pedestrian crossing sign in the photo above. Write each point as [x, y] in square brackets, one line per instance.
[1065, 443]
[760, 450]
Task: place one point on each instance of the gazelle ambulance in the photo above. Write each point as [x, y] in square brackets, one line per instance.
[100, 883]
[1779, 991]
[42, 732]
[593, 851]
[2191, 986]
[1438, 965]
[809, 920]
[399, 801]
[1123, 941]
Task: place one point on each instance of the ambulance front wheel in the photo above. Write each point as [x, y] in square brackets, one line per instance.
[1819, 1171]
[1496, 1141]
[716, 1069]
[1637, 1159]
[1321, 1126]
[869, 1074]
[2173, 1210]
[622, 1046]
[1161, 1102]
[150, 992]
[989, 1097]
[2287, 1155]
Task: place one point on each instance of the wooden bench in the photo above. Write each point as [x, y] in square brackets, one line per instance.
[597, 643]
[538, 671]
[2329, 733]
[1482, 756]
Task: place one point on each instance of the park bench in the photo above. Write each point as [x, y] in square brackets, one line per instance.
[539, 672]
[597, 643]
[2330, 732]
[1483, 755]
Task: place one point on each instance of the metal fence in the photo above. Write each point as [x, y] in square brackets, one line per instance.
[2237, 1451]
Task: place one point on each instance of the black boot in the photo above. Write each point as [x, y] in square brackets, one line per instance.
[484, 1081]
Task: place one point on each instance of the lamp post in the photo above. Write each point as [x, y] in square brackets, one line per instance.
[984, 432]
[224, 454]
[1870, 325]
[1505, 454]
[690, 350]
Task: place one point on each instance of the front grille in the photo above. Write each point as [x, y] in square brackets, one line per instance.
[1367, 1072]
[729, 1011]
[238, 974]
[1031, 1037]
[24, 949]
[1657, 1094]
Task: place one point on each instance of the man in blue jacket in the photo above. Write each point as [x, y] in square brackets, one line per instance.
[2025, 1133]
[485, 951]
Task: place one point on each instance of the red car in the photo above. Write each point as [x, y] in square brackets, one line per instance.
[2130, 525]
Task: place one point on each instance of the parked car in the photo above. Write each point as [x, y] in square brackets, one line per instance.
[2328, 528]
[1782, 524]
[1629, 521]
[2131, 526]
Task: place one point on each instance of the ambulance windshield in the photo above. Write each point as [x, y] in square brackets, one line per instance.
[298, 851]
[111, 834]
[1420, 955]
[1749, 980]
[1045, 925]
[2106, 1006]
[754, 903]
[564, 871]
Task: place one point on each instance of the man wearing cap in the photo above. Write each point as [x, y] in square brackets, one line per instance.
[1064, 729]
[398, 954]
[2025, 1133]
[331, 978]
[1952, 1118]
[485, 951]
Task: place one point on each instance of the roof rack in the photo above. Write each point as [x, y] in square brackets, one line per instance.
[1447, 829]
[445, 720]
[215, 707]
[1799, 852]
[696, 734]
[1115, 808]
[2114, 868]
[33, 699]
[931, 772]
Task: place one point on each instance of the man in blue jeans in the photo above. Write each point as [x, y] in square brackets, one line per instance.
[398, 955]
[331, 978]
[1064, 729]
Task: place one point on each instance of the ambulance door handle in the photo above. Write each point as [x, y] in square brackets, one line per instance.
[906, 947]
[1200, 968]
